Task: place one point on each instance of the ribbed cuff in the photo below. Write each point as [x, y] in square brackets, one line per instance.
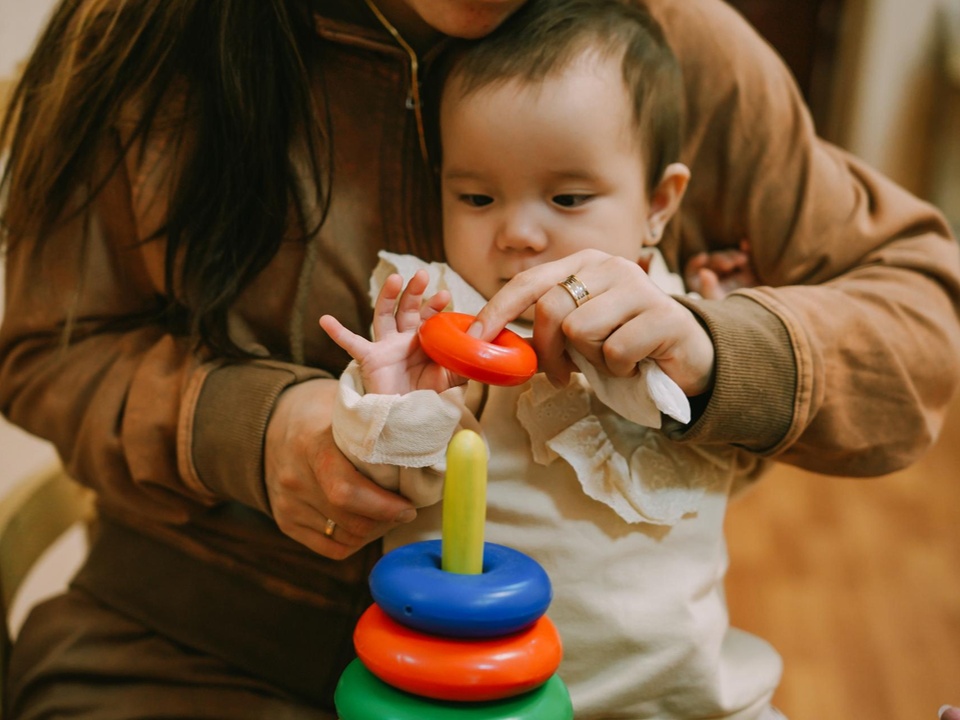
[230, 423]
[751, 404]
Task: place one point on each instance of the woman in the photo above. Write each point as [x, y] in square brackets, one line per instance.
[192, 184]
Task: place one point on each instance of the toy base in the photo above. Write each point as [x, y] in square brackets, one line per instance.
[360, 695]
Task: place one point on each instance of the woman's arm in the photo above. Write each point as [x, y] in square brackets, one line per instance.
[862, 277]
[90, 361]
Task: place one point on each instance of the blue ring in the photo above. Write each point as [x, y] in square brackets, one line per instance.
[512, 592]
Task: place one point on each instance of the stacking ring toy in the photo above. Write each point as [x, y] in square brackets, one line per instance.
[511, 593]
[508, 360]
[453, 669]
[362, 696]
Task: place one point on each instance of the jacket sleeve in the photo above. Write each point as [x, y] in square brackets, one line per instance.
[87, 363]
[845, 359]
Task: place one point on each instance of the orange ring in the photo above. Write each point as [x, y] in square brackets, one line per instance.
[446, 668]
[508, 360]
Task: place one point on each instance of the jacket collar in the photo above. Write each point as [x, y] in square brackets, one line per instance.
[350, 22]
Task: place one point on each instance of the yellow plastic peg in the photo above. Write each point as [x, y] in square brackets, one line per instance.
[464, 504]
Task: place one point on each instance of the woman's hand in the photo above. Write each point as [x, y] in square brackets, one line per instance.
[309, 481]
[394, 363]
[626, 319]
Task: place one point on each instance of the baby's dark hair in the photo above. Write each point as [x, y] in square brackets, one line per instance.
[544, 36]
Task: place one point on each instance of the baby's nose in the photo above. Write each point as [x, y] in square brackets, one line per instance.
[521, 231]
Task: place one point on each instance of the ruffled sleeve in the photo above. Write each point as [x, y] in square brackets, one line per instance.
[637, 471]
[398, 441]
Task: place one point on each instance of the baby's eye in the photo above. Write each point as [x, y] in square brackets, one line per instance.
[475, 200]
[570, 200]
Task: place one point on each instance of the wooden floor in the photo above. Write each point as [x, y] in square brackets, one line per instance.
[857, 584]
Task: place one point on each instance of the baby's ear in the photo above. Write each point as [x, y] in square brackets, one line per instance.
[666, 198]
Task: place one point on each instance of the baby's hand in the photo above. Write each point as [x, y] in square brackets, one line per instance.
[394, 363]
[716, 274]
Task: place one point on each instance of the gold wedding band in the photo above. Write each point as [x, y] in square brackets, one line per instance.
[578, 291]
[330, 527]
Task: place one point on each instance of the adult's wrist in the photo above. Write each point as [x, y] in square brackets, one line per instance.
[225, 443]
[751, 401]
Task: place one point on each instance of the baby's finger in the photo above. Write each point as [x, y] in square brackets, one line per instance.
[435, 304]
[384, 320]
[708, 284]
[692, 269]
[408, 309]
[726, 261]
[696, 262]
[357, 346]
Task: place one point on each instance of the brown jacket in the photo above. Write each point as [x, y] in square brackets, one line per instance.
[842, 362]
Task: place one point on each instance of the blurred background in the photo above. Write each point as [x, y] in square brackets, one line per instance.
[856, 582]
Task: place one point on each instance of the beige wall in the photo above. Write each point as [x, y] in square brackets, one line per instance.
[20, 453]
[892, 97]
[945, 170]
[19, 22]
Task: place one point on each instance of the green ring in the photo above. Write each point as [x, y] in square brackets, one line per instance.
[360, 695]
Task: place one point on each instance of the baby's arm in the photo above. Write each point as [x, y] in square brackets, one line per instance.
[396, 409]
[714, 275]
[398, 441]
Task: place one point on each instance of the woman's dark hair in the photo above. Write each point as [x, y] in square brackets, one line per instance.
[545, 35]
[238, 76]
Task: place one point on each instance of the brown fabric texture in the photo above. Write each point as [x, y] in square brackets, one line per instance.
[78, 658]
[143, 620]
[751, 402]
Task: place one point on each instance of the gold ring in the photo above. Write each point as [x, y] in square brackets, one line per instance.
[578, 291]
[330, 527]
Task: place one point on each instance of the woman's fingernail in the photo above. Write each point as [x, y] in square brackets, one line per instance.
[942, 710]
[407, 516]
[475, 330]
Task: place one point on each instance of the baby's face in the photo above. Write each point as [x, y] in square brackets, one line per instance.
[535, 172]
